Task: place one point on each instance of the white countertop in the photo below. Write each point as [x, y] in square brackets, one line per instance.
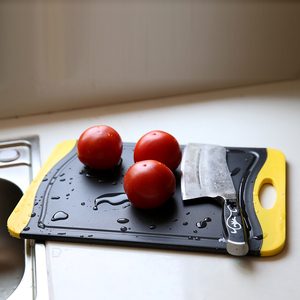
[258, 116]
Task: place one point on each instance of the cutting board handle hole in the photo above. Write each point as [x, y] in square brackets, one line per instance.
[267, 196]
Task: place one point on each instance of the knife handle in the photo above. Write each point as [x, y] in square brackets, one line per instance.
[236, 243]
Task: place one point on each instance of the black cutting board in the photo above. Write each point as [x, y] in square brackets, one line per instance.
[75, 203]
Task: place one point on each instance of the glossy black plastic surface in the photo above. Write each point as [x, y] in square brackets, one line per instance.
[76, 203]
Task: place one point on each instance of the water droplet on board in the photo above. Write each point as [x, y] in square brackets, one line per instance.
[110, 198]
[235, 171]
[175, 220]
[45, 179]
[258, 237]
[82, 203]
[187, 213]
[190, 237]
[62, 174]
[55, 197]
[123, 229]
[152, 227]
[81, 172]
[41, 225]
[62, 179]
[185, 223]
[32, 215]
[60, 215]
[26, 228]
[207, 219]
[203, 224]
[123, 220]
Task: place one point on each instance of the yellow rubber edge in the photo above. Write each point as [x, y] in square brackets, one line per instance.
[21, 215]
[272, 221]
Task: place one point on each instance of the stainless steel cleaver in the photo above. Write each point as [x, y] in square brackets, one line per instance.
[205, 174]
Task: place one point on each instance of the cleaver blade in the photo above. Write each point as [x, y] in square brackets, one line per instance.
[205, 174]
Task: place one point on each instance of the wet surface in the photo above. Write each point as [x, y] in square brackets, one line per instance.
[91, 206]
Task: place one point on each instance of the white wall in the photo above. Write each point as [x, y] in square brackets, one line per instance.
[57, 55]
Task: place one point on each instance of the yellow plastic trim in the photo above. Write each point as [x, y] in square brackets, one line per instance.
[272, 221]
[21, 215]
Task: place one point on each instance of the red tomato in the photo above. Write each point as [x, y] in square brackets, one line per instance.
[149, 184]
[160, 146]
[100, 147]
